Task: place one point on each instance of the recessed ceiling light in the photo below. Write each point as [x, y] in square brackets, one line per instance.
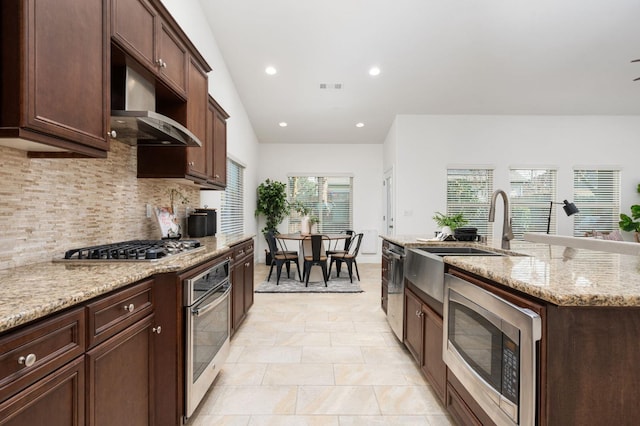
[374, 71]
[359, 124]
[282, 124]
[271, 70]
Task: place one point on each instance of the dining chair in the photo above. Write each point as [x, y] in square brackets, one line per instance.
[280, 257]
[314, 253]
[349, 257]
[345, 249]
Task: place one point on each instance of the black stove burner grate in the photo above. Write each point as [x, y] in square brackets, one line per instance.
[132, 250]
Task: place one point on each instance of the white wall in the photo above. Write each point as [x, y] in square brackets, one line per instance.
[363, 162]
[426, 145]
[242, 142]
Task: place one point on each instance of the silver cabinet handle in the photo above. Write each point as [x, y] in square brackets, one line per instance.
[161, 63]
[28, 361]
[216, 176]
[246, 265]
[129, 308]
[191, 163]
[157, 329]
[112, 134]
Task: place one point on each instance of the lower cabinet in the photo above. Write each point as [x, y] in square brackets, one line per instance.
[423, 338]
[120, 378]
[242, 282]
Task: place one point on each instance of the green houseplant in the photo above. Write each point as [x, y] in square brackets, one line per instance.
[272, 204]
[631, 223]
[453, 221]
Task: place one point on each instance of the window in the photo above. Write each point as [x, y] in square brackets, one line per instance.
[330, 199]
[596, 193]
[469, 192]
[232, 209]
[531, 192]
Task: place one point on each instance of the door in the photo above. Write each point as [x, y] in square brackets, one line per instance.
[389, 203]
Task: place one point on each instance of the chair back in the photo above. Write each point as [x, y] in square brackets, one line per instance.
[271, 242]
[354, 248]
[317, 246]
[347, 241]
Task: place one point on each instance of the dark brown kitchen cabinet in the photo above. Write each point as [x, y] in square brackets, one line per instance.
[216, 144]
[241, 282]
[55, 77]
[120, 363]
[56, 400]
[197, 107]
[139, 29]
[42, 377]
[423, 338]
[120, 377]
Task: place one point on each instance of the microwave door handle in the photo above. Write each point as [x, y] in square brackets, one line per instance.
[203, 310]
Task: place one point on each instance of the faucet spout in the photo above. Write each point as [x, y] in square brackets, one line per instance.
[507, 231]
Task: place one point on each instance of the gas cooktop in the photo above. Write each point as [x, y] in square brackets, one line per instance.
[134, 250]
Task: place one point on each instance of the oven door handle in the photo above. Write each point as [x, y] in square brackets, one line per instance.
[197, 311]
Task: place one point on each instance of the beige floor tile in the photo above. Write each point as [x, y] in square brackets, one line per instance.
[303, 339]
[384, 421]
[337, 326]
[270, 354]
[294, 421]
[357, 339]
[299, 374]
[332, 354]
[213, 420]
[242, 400]
[407, 400]
[241, 374]
[384, 355]
[337, 400]
[371, 374]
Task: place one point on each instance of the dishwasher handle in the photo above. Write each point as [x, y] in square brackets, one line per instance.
[394, 254]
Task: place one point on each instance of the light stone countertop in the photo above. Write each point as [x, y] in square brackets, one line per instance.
[561, 275]
[35, 291]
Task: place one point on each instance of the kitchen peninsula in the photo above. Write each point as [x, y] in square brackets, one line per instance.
[590, 310]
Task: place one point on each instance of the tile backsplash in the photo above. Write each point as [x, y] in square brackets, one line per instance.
[48, 206]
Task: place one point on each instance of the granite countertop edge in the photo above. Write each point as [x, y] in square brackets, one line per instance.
[35, 291]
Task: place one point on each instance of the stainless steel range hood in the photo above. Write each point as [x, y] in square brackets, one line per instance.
[133, 116]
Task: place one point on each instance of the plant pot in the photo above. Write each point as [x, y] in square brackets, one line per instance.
[305, 226]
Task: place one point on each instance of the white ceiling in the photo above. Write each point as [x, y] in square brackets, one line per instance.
[436, 57]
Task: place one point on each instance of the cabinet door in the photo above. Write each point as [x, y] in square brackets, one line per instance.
[433, 366]
[219, 145]
[248, 283]
[120, 378]
[197, 119]
[133, 26]
[172, 59]
[413, 325]
[56, 400]
[66, 70]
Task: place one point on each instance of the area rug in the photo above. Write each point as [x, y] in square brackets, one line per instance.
[287, 285]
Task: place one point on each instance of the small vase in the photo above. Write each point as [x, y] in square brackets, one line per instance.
[305, 228]
[447, 230]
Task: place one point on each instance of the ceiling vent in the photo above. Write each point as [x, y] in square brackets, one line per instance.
[331, 86]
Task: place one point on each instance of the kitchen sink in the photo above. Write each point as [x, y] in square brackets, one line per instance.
[459, 251]
[424, 267]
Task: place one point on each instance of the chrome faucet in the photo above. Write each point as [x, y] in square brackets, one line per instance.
[507, 232]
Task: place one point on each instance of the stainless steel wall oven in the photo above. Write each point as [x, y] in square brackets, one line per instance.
[208, 325]
[490, 346]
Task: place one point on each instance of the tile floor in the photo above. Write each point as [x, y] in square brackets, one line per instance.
[319, 359]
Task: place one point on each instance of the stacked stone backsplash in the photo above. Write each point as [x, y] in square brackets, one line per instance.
[48, 206]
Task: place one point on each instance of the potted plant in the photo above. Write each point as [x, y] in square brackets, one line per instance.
[631, 223]
[272, 203]
[313, 221]
[448, 223]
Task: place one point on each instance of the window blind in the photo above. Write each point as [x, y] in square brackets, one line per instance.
[531, 192]
[232, 208]
[329, 198]
[469, 192]
[597, 194]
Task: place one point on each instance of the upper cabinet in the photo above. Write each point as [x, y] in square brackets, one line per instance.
[217, 142]
[139, 29]
[55, 77]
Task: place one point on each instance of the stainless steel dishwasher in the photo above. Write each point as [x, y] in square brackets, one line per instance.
[395, 302]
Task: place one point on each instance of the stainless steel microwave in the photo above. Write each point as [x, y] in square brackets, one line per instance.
[490, 346]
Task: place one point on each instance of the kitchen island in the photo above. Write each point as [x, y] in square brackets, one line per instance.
[589, 303]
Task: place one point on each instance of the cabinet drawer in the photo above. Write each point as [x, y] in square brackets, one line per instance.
[242, 251]
[31, 353]
[112, 314]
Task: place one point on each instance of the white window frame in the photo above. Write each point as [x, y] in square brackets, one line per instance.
[596, 193]
[474, 205]
[532, 191]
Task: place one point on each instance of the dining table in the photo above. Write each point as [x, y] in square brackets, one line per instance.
[315, 273]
